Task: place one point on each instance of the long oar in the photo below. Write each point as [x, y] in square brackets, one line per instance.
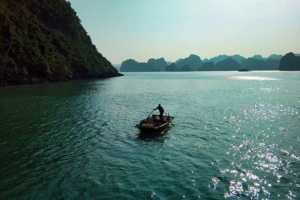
[168, 116]
[150, 114]
[166, 113]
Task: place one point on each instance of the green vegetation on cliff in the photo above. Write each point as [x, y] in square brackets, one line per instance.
[43, 40]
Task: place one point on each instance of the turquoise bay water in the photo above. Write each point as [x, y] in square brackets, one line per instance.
[235, 135]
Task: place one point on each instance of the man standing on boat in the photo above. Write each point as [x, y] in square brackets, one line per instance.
[161, 111]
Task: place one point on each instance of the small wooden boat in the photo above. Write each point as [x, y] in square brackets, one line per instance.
[154, 123]
[243, 70]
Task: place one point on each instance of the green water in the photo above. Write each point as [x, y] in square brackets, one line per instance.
[235, 135]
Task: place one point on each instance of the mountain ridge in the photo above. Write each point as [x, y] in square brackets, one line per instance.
[256, 62]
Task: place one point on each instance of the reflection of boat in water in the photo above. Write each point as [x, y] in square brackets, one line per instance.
[154, 123]
[243, 70]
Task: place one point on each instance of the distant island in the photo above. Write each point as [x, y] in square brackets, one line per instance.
[44, 41]
[290, 62]
[236, 62]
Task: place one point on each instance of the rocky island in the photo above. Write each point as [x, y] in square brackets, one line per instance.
[44, 41]
[288, 62]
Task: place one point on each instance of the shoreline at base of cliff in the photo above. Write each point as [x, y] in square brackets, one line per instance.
[18, 81]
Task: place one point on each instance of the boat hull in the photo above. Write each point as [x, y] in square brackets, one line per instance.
[154, 123]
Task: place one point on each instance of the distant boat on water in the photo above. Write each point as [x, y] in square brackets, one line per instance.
[243, 70]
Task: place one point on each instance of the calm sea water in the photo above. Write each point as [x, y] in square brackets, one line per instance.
[235, 135]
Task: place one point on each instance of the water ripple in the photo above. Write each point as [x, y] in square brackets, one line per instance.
[231, 139]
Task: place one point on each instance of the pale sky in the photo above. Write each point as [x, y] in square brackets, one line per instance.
[173, 29]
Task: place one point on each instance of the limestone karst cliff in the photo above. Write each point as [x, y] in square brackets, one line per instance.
[44, 41]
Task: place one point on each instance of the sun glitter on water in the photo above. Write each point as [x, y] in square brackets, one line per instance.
[259, 78]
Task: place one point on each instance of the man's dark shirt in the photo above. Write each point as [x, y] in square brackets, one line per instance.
[161, 110]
